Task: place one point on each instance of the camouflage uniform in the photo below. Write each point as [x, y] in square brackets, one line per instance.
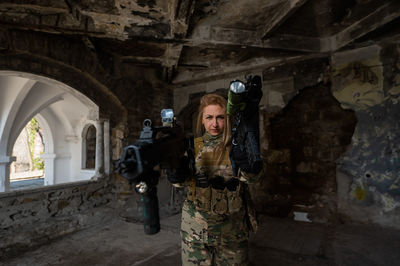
[214, 229]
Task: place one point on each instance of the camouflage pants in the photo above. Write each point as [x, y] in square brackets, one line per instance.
[213, 239]
[200, 254]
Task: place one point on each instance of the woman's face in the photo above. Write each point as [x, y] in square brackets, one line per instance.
[214, 119]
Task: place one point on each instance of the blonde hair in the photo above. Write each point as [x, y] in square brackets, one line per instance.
[214, 99]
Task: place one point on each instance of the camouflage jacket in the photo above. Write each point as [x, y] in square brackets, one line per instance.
[211, 214]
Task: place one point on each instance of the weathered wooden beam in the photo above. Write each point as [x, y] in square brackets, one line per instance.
[72, 20]
[31, 9]
[180, 13]
[280, 16]
[172, 54]
[209, 35]
[189, 77]
[219, 35]
[295, 43]
[388, 11]
[145, 60]
[184, 10]
[171, 59]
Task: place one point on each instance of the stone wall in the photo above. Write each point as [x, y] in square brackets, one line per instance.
[30, 218]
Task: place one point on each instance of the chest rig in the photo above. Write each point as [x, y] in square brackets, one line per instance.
[223, 192]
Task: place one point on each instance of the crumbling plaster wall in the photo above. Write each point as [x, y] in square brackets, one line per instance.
[367, 80]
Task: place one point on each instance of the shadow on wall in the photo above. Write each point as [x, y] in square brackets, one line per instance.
[305, 139]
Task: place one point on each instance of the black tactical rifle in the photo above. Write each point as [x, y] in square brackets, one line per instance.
[164, 146]
[243, 100]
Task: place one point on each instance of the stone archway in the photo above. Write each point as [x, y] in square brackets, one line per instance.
[60, 109]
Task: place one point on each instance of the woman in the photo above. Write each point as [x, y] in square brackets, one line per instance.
[214, 229]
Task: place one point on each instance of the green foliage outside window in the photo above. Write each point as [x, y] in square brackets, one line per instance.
[33, 129]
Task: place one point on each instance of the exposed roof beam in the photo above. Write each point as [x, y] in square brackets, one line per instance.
[172, 54]
[181, 11]
[296, 43]
[32, 9]
[171, 59]
[389, 11]
[189, 77]
[286, 10]
[180, 17]
[146, 60]
[184, 10]
[225, 36]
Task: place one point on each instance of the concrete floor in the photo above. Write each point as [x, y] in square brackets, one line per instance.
[278, 242]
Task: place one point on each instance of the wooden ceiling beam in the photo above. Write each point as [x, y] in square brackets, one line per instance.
[280, 16]
[180, 13]
[209, 36]
[190, 77]
[388, 11]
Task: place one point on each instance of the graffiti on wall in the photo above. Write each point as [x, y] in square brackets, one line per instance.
[359, 85]
[372, 89]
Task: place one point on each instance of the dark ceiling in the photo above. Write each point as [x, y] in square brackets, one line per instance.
[201, 39]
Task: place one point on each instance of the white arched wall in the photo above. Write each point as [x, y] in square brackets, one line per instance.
[62, 113]
[13, 92]
[48, 156]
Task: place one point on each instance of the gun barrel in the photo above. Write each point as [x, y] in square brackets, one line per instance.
[151, 217]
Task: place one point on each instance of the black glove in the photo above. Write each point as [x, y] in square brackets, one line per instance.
[180, 174]
[174, 176]
[240, 159]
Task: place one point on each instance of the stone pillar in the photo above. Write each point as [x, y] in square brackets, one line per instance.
[99, 166]
[49, 177]
[5, 162]
[107, 147]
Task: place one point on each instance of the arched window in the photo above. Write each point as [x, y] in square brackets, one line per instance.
[27, 171]
[61, 111]
[89, 147]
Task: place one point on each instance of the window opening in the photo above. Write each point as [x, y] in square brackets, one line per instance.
[27, 171]
[90, 147]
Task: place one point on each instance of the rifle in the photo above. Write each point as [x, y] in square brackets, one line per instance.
[164, 146]
[243, 100]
